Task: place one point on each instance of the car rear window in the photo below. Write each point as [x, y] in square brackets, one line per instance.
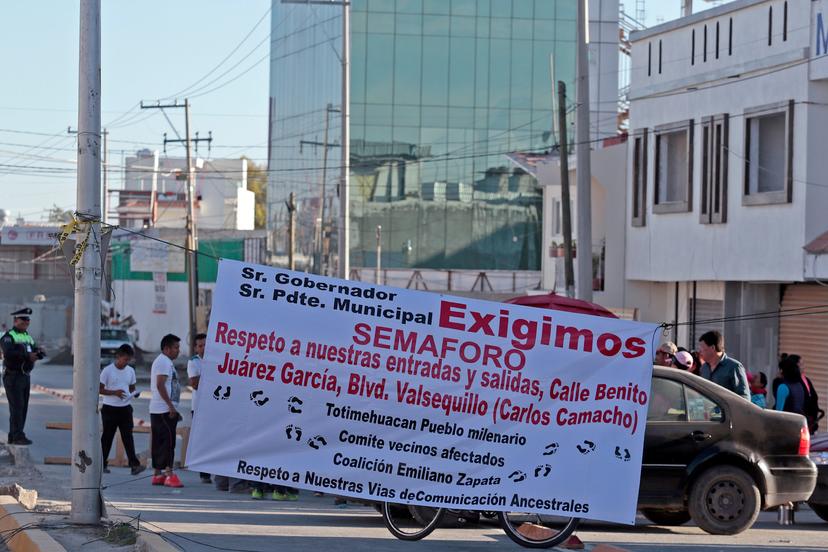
[667, 402]
[701, 408]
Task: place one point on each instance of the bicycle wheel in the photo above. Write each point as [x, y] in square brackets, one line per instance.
[404, 526]
[536, 530]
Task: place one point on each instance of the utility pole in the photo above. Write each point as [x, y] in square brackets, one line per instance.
[86, 441]
[192, 233]
[323, 199]
[379, 255]
[105, 191]
[566, 213]
[291, 207]
[582, 134]
[344, 185]
[104, 161]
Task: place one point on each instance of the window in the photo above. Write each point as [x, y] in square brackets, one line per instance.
[704, 46]
[659, 57]
[730, 38]
[717, 40]
[769, 155]
[702, 409]
[785, 23]
[770, 25]
[693, 47]
[666, 402]
[674, 168]
[650, 59]
[715, 133]
[639, 179]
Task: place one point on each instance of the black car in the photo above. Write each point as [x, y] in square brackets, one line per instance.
[715, 458]
[819, 454]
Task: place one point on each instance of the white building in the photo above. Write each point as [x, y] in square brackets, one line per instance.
[727, 186]
[154, 193]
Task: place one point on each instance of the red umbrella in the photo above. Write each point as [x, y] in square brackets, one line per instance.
[558, 302]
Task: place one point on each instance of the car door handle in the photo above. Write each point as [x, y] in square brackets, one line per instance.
[700, 436]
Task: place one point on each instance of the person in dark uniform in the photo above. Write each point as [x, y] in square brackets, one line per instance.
[19, 356]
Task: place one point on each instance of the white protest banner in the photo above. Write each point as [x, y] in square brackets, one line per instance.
[413, 397]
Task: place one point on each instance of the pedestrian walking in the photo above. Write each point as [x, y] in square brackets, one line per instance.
[117, 385]
[720, 368]
[194, 374]
[19, 356]
[791, 395]
[164, 416]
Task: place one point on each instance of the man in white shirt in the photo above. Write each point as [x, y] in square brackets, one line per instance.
[117, 386]
[194, 373]
[164, 416]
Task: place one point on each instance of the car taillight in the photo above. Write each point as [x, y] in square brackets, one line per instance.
[804, 441]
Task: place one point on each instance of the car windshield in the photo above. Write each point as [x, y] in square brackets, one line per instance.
[114, 335]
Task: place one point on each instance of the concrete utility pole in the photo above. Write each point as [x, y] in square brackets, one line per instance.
[566, 213]
[86, 439]
[686, 8]
[379, 254]
[291, 207]
[105, 191]
[192, 231]
[344, 186]
[582, 136]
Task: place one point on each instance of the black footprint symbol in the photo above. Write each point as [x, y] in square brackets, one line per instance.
[290, 429]
[226, 394]
[517, 476]
[216, 392]
[550, 449]
[83, 462]
[258, 402]
[546, 469]
[316, 442]
[625, 457]
[292, 405]
[589, 447]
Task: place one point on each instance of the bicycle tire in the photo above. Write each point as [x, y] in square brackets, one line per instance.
[414, 533]
[547, 537]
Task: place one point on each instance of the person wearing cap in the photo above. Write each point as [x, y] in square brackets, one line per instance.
[19, 356]
[683, 360]
[664, 354]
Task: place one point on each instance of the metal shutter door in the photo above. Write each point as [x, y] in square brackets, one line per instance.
[807, 336]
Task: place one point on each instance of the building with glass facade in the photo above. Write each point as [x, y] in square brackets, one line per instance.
[441, 92]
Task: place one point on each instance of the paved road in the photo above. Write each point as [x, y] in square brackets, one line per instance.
[234, 522]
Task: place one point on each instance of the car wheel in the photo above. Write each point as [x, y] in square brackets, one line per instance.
[820, 509]
[667, 517]
[724, 500]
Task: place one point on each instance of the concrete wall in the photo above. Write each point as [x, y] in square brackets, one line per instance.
[758, 243]
[137, 298]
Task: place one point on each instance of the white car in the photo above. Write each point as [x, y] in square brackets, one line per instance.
[111, 339]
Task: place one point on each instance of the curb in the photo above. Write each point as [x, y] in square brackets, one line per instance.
[13, 517]
[68, 397]
[148, 539]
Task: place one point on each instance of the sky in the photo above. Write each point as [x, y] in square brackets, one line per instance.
[214, 51]
[150, 49]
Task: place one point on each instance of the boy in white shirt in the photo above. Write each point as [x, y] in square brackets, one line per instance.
[164, 416]
[117, 385]
[194, 373]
